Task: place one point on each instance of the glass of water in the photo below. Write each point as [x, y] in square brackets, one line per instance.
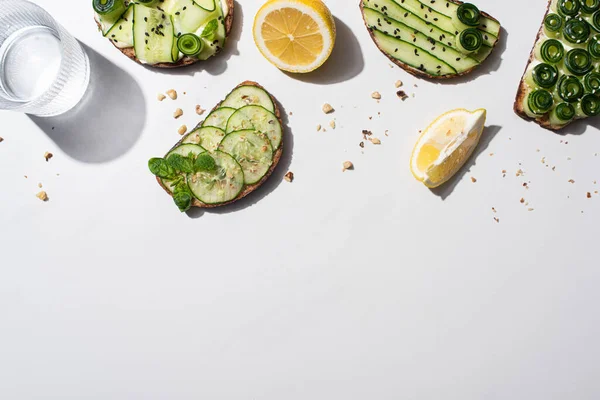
[44, 71]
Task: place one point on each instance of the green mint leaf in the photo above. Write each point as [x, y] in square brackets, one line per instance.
[161, 168]
[183, 200]
[204, 162]
[181, 163]
[210, 29]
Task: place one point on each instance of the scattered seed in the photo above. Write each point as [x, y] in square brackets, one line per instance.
[318, 128]
[48, 156]
[375, 140]
[172, 94]
[347, 165]
[332, 124]
[43, 196]
[327, 109]
[473, 179]
[40, 185]
[178, 113]
[199, 110]
[161, 97]
[398, 84]
[289, 176]
[376, 95]
[182, 130]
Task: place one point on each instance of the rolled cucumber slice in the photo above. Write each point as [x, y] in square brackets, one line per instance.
[153, 35]
[121, 33]
[220, 185]
[219, 117]
[208, 137]
[252, 150]
[257, 118]
[248, 95]
[183, 150]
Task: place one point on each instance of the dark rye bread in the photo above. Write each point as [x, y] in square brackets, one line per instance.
[185, 61]
[522, 91]
[248, 188]
[418, 72]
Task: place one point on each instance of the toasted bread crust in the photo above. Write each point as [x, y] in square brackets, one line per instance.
[522, 91]
[249, 188]
[185, 61]
[417, 72]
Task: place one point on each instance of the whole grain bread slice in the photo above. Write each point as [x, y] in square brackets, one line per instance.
[415, 71]
[522, 90]
[248, 188]
[185, 61]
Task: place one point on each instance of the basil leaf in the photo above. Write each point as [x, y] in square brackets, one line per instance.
[183, 200]
[210, 29]
[205, 162]
[181, 163]
[161, 168]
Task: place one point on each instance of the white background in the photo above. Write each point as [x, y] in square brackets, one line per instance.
[355, 285]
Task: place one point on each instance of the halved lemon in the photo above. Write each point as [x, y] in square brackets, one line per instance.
[445, 146]
[295, 35]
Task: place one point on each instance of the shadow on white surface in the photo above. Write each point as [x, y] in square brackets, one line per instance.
[107, 122]
[218, 64]
[580, 126]
[269, 186]
[490, 65]
[488, 135]
[346, 60]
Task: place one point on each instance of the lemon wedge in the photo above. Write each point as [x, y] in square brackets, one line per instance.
[445, 145]
[295, 35]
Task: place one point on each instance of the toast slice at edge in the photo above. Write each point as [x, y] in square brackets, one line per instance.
[417, 72]
[247, 188]
[185, 61]
[518, 106]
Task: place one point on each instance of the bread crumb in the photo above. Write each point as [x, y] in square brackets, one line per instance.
[402, 94]
[178, 113]
[497, 220]
[494, 209]
[376, 95]
[291, 113]
[571, 181]
[362, 145]
[530, 209]
[386, 132]
[182, 129]
[473, 179]
[199, 110]
[522, 200]
[161, 97]
[43, 196]
[172, 94]
[519, 172]
[491, 154]
[48, 155]
[332, 124]
[319, 128]
[289, 176]
[543, 160]
[40, 185]
[327, 109]
[1, 139]
[589, 195]
[347, 165]
[398, 84]
[375, 140]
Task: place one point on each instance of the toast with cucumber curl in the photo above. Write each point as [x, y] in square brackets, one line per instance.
[561, 82]
[166, 33]
[432, 39]
[228, 155]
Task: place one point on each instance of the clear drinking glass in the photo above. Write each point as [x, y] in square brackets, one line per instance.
[44, 70]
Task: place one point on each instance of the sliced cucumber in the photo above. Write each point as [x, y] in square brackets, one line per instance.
[220, 185]
[253, 152]
[412, 55]
[121, 33]
[188, 16]
[248, 95]
[216, 41]
[448, 9]
[208, 137]
[219, 117]
[208, 5]
[153, 35]
[108, 13]
[259, 119]
[183, 150]
[400, 31]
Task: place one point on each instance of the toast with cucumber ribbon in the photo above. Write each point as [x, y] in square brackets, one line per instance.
[561, 82]
[166, 33]
[432, 39]
[228, 155]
